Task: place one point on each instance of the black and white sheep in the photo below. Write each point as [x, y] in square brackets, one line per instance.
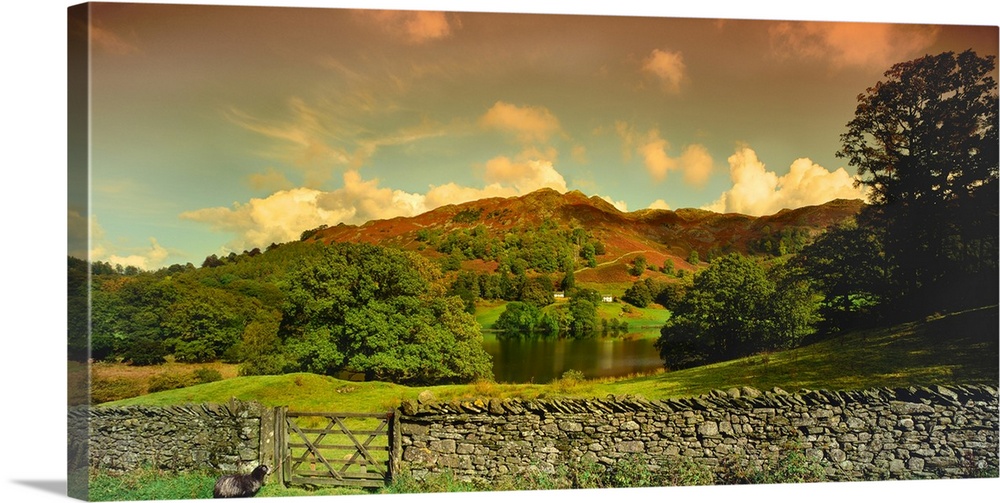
[240, 486]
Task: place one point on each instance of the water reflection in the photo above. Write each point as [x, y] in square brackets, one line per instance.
[542, 359]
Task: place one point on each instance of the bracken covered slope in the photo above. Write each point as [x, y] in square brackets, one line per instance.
[658, 234]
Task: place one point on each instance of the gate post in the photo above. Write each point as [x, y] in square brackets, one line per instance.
[281, 469]
[395, 445]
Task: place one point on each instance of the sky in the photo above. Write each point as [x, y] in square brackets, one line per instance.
[217, 129]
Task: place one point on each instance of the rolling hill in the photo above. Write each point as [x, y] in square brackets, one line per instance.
[659, 235]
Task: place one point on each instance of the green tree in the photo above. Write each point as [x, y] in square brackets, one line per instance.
[77, 300]
[693, 257]
[518, 318]
[583, 314]
[372, 309]
[793, 307]
[588, 294]
[639, 294]
[144, 351]
[847, 266]
[732, 309]
[668, 267]
[538, 291]
[589, 254]
[569, 275]
[204, 323]
[466, 287]
[638, 266]
[261, 346]
[924, 142]
[126, 309]
[670, 295]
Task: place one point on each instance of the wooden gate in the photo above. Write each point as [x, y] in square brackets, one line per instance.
[335, 448]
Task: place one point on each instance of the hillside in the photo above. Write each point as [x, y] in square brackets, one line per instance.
[658, 234]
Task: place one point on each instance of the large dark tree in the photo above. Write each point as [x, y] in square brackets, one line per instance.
[924, 142]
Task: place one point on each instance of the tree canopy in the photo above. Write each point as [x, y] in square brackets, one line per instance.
[924, 142]
[372, 309]
[734, 308]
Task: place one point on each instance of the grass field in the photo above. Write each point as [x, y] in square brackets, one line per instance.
[960, 348]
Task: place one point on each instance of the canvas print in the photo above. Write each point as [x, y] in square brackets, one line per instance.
[327, 251]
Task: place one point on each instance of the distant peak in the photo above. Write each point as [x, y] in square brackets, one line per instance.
[544, 191]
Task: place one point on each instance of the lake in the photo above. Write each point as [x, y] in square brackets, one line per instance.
[540, 360]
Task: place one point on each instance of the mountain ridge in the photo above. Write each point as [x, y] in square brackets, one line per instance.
[661, 234]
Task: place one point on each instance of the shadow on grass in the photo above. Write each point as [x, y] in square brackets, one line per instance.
[954, 349]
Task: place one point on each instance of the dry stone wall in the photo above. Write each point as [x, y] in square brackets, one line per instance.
[223, 437]
[878, 434]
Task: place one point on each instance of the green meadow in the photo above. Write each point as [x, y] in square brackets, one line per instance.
[955, 349]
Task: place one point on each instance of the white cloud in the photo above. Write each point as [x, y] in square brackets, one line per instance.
[659, 204]
[282, 216]
[360, 200]
[620, 205]
[148, 259]
[505, 178]
[452, 193]
[629, 138]
[667, 67]
[756, 191]
[525, 176]
[95, 247]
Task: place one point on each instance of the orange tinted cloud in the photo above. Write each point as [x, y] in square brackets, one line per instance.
[528, 124]
[695, 161]
[667, 67]
[851, 44]
[654, 156]
[415, 26]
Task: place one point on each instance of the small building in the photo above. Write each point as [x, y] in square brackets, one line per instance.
[559, 295]
[607, 298]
